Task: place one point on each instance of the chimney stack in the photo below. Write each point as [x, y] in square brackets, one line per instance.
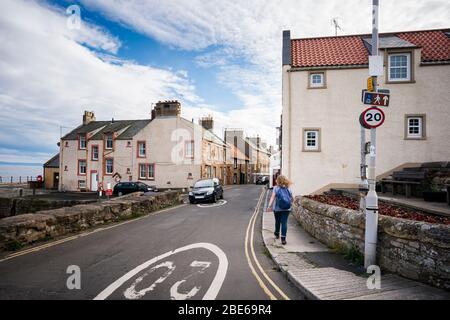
[88, 117]
[207, 122]
[166, 109]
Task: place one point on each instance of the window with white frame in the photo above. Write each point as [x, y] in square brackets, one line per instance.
[311, 140]
[189, 149]
[209, 152]
[82, 141]
[81, 184]
[399, 67]
[415, 127]
[109, 166]
[81, 167]
[147, 171]
[317, 80]
[109, 141]
[142, 171]
[141, 149]
[95, 153]
[151, 171]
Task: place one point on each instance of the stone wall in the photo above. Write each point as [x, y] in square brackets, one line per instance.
[413, 249]
[14, 206]
[26, 229]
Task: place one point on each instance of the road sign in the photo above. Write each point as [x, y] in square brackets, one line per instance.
[376, 98]
[371, 118]
[370, 84]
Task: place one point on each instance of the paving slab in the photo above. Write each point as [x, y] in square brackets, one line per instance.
[319, 273]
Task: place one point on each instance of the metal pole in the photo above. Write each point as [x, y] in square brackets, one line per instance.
[363, 186]
[372, 198]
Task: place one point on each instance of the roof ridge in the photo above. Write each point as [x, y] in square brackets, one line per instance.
[369, 34]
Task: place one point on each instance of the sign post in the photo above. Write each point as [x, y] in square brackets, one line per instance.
[371, 200]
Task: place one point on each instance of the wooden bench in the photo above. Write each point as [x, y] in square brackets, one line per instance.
[407, 185]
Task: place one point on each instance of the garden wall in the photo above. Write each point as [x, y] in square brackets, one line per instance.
[28, 228]
[14, 206]
[413, 249]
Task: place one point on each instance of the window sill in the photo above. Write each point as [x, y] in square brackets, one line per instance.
[94, 159]
[322, 87]
[400, 82]
[419, 138]
[306, 150]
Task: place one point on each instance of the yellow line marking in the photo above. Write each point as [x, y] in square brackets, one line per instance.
[70, 238]
[255, 274]
[285, 297]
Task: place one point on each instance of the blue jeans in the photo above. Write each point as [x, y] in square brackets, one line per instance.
[281, 218]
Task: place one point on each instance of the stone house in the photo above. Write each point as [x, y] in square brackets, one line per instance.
[166, 151]
[322, 81]
[248, 157]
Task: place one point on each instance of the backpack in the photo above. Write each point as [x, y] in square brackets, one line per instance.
[284, 198]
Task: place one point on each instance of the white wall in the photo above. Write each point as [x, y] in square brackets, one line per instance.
[336, 109]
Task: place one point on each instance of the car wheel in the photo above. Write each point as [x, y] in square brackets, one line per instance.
[120, 194]
[214, 199]
[192, 202]
[221, 196]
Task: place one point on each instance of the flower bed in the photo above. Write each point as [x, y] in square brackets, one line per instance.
[384, 209]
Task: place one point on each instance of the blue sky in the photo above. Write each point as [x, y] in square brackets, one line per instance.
[218, 57]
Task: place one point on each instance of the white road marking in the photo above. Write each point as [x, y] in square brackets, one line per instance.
[212, 205]
[175, 295]
[210, 294]
[131, 292]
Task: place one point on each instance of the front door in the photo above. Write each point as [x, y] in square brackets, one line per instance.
[55, 180]
[94, 181]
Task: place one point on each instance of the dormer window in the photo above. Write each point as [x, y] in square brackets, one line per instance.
[109, 141]
[82, 142]
[399, 67]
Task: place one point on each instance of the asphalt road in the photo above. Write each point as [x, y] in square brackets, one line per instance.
[188, 252]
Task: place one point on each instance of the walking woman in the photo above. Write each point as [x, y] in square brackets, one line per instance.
[281, 204]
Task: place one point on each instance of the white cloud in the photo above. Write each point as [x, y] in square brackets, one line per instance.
[252, 31]
[48, 78]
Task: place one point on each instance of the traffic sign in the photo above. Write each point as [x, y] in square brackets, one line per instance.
[376, 98]
[371, 118]
[370, 84]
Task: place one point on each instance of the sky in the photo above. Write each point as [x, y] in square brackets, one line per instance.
[217, 57]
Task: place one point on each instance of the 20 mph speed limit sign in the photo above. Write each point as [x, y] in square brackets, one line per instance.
[371, 118]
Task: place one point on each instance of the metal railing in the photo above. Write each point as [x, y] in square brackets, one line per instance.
[16, 179]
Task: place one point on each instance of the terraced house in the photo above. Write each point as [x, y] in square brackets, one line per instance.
[322, 83]
[167, 151]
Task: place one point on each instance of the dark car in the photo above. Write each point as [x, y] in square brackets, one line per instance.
[124, 188]
[208, 190]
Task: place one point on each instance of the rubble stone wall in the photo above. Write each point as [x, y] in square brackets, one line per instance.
[24, 229]
[413, 249]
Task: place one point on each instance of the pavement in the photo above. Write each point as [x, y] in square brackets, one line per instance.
[321, 274]
[186, 252]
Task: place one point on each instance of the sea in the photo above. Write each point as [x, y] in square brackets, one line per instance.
[19, 173]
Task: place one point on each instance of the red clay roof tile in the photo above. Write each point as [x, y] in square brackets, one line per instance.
[350, 50]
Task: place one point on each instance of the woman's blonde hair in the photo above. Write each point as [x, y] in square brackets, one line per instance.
[282, 181]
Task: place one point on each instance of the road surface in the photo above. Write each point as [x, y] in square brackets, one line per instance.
[188, 252]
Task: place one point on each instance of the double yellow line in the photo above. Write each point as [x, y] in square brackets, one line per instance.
[249, 236]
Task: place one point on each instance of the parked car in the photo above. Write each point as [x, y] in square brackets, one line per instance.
[123, 188]
[207, 190]
[262, 179]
